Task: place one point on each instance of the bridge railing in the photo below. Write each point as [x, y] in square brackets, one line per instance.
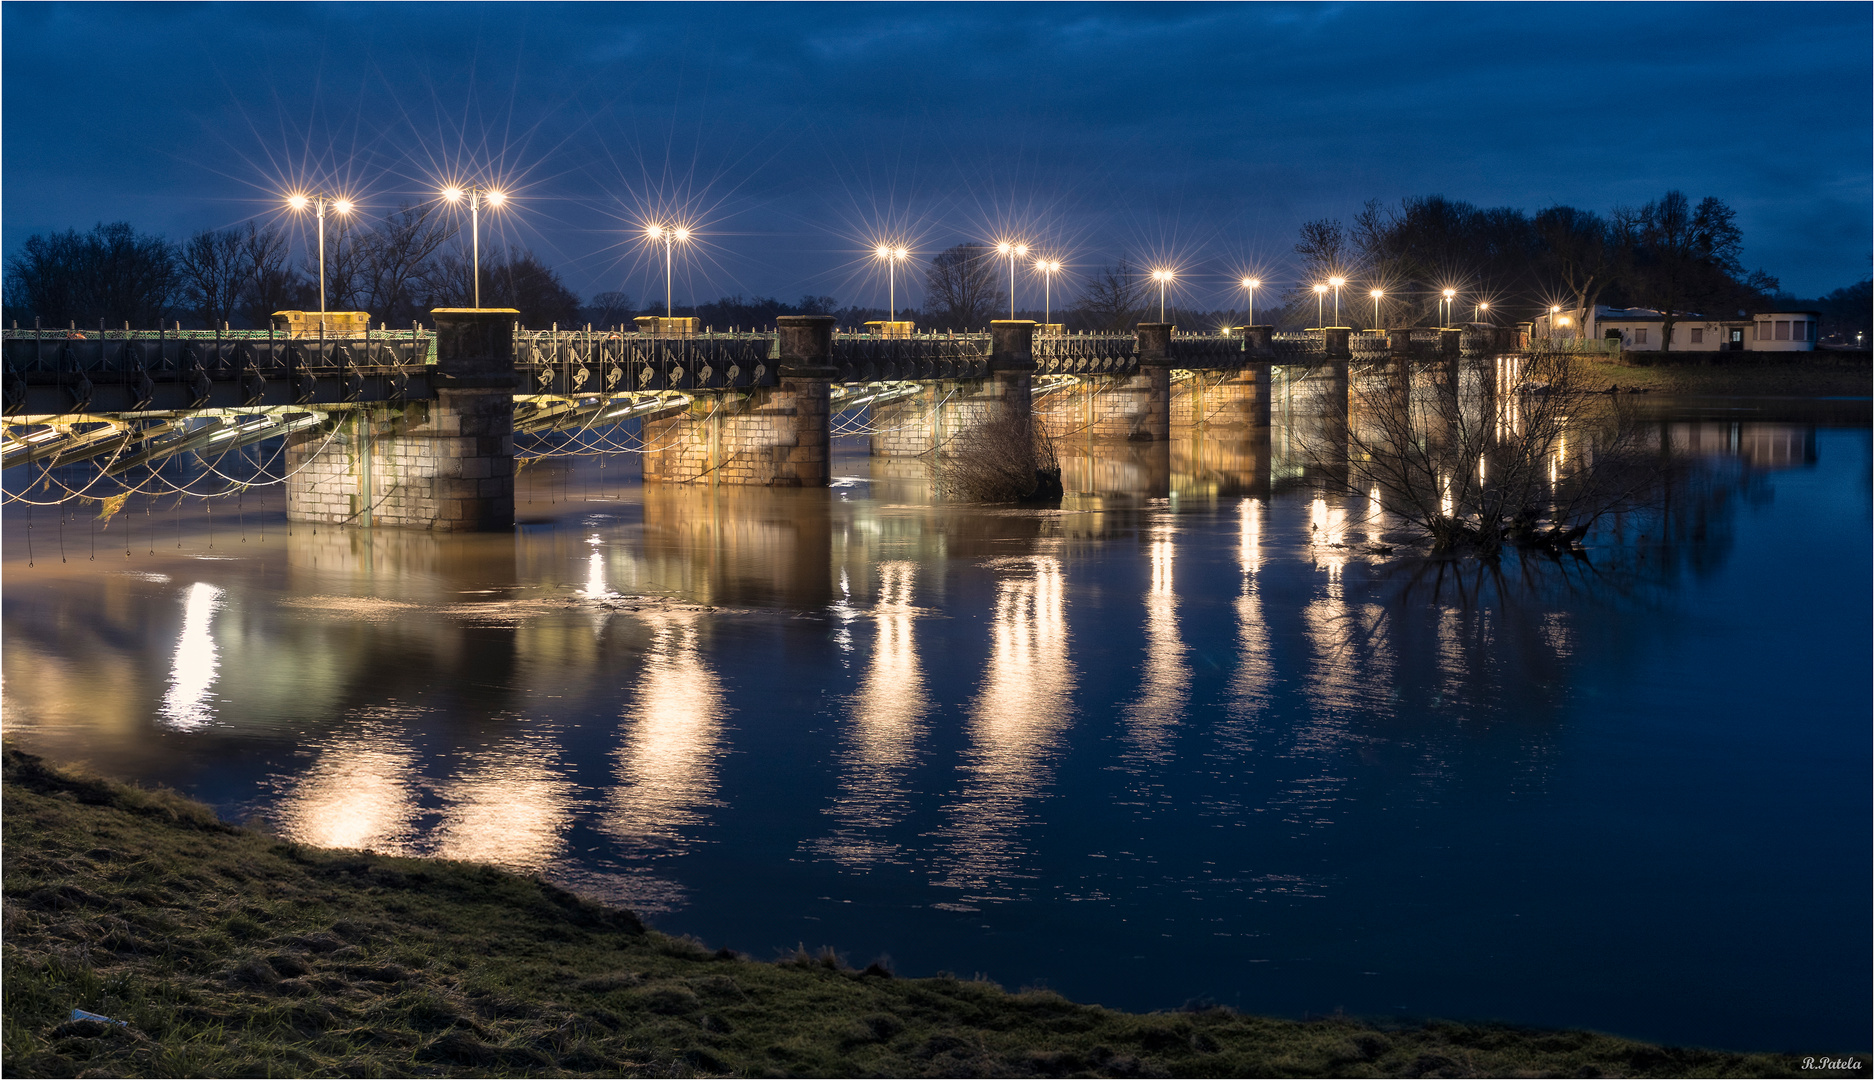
[1298, 344]
[877, 358]
[134, 371]
[1086, 354]
[573, 362]
[1209, 350]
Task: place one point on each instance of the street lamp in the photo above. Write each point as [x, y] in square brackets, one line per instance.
[892, 256]
[1013, 251]
[1163, 277]
[1377, 293]
[1337, 282]
[475, 195]
[1482, 306]
[1554, 310]
[1251, 283]
[1048, 268]
[671, 235]
[299, 201]
[1450, 295]
[1320, 317]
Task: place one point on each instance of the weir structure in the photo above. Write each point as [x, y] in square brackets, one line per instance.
[418, 428]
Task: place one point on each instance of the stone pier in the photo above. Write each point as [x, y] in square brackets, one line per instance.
[774, 436]
[446, 464]
[926, 423]
[1121, 408]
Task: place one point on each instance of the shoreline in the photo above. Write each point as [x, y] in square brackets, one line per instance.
[227, 951]
[1817, 375]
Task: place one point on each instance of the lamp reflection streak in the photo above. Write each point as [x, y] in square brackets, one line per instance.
[672, 737]
[197, 662]
[1016, 723]
[1166, 677]
[1250, 688]
[887, 714]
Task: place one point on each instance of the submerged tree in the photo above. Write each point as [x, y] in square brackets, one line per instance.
[1001, 460]
[1473, 456]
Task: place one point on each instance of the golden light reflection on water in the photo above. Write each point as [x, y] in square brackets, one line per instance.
[1015, 728]
[197, 662]
[672, 739]
[1166, 678]
[1250, 687]
[360, 792]
[886, 719]
[511, 806]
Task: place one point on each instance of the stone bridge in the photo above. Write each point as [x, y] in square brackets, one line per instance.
[417, 429]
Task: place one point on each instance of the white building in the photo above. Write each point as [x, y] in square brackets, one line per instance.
[1644, 330]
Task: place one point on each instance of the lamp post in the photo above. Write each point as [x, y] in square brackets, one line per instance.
[1048, 268]
[1482, 306]
[1013, 251]
[1377, 293]
[1320, 316]
[299, 201]
[1554, 311]
[475, 195]
[892, 256]
[1337, 282]
[1251, 283]
[1450, 296]
[1163, 277]
[671, 235]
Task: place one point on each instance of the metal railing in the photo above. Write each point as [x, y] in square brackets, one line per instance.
[574, 362]
[876, 358]
[1086, 354]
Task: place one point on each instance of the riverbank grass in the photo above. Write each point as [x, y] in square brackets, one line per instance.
[1818, 374]
[220, 951]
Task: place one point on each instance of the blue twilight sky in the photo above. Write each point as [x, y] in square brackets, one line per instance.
[793, 136]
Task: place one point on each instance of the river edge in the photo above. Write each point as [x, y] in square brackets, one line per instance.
[225, 951]
[1804, 375]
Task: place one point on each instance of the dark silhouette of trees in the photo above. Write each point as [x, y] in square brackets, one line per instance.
[1684, 257]
[210, 270]
[962, 290]
[609, 309]
[1114, 299]
[1580, 254]
[111, 273]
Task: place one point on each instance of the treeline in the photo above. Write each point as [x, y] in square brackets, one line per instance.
[1671, 254]
[396, 268]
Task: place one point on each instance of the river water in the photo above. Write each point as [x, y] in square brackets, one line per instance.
[1165, 744]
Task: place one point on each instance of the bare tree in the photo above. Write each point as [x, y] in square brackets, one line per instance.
[962, 290]
[397, 258]
[610, 308]
[1114, 299]
[111, 273]
[1583, 254]
[213, 275]
[270, 282]
[1472, 462]
[1685, 255]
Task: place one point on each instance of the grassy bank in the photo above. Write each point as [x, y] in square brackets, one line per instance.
[229, 952]
[1817, 374]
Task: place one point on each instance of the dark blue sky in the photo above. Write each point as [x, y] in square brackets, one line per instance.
[793, 135]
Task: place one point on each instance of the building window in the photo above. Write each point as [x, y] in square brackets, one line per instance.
[1698, 335]
[1639, 335]
[1763, 331]
[1782, 329]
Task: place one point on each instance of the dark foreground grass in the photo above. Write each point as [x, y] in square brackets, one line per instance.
[231, 953]
[1817, 374]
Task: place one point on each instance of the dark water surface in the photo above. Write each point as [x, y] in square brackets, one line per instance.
[1142, 749]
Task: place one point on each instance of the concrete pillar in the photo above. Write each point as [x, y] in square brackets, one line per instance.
[446, 464]
[778, 436]
[1012, 367]
[1152, 386]
[1335, 341]
[1258, 339]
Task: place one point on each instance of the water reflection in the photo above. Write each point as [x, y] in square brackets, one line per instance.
[197, 661]
[886, 718]
[359, 791]
[510, 806]
[1015, 728]
[1250, 686]
[672, 739]
[1166, 678]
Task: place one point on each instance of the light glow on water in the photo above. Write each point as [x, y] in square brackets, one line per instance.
[197, 661]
